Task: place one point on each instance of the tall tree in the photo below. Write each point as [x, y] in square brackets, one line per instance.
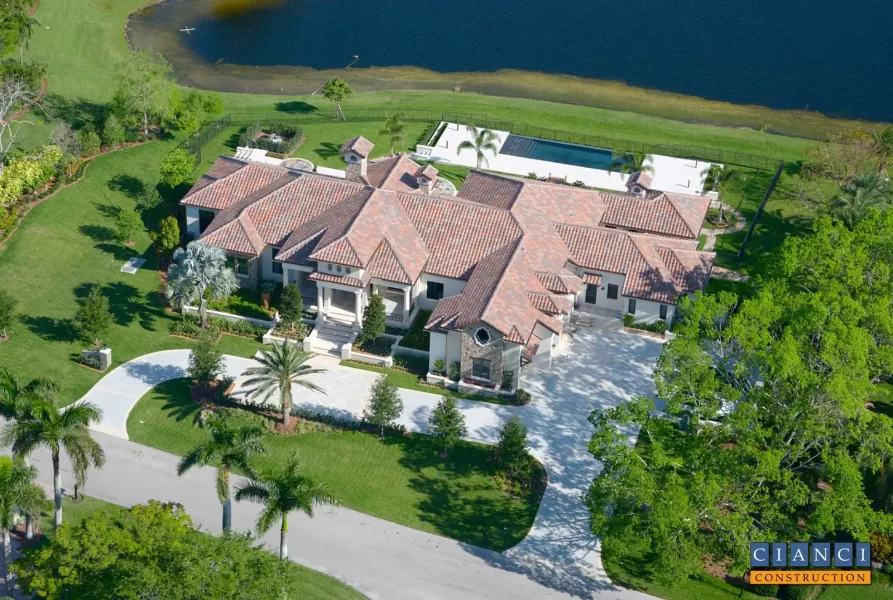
[230, 447]
[198, 272]
[17, 492]
[168, 235]
[766, 434]
[337, 90]
[394, 130]
[282, 366]
[16, 94]
[93, 319]
[205, 360]
[7, 313]
[883, 147]
[631, 162]
[25, 25]
[484, 142]
[48, 425]
[447, 424]
[176, 167]
[511, 451]
[281, 493]
[144, 86]
[129, 224]
[867, 191]
[291, 306]
[385, 405]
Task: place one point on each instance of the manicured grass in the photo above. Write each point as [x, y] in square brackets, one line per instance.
[414, 381]
[318, 585]
[65, 245]
[633, 572]
[401, 478]
[878, 590]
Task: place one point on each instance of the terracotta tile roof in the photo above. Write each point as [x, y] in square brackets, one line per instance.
[642, 179]
[492, 190]
[656, 268]
[340, 251]
[331, 278]
[531, 347]
[235, 183]
[556, 283]
[429, 172]
[457, 233]
[550, 303]
[359, 144]
[681, 216]
[385, 264]
[591, 279]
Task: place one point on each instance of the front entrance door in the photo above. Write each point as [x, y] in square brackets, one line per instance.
[345, 301]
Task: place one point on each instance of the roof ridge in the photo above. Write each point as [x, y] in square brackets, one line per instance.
[517, 241]
[678, 212]
[385, 242]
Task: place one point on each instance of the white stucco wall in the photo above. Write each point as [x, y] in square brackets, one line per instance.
[451, 287]
[602, 300]
[437, 350]
[512, 357]
[648, 311]
[453, 349]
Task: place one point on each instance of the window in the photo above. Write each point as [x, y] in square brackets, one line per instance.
[239, 265]
[612, 291]
[482, 336]
[339, 269]
[329, 266]
[204, 219]
[591, 293]
[632, 306]
[663, 312]
[277, 266]
[480, 368]
[435, 290]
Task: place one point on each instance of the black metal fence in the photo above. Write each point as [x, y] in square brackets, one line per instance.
[210, 130]
[756, 216]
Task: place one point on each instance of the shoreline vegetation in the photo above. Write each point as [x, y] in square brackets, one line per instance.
[284, 80]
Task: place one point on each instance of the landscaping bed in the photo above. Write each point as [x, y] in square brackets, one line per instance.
[189, 326]
[380, 346]
[276, 138]
[403, 479]
[247, 303]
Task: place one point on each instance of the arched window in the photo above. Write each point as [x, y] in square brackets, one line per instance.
[482, 336]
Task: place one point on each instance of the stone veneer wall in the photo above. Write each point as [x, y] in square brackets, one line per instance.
[494, 352]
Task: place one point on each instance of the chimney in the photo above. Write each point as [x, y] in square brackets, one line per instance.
[356, 157]
[426, 178]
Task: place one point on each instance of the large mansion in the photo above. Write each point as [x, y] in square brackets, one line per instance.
[502, 265]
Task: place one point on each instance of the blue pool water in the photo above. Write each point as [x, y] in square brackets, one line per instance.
[557, 152]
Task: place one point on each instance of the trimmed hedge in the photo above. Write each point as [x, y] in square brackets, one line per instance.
[655, 327]
[293, 134]
[416, 336]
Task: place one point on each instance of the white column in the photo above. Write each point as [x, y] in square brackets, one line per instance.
[406, 299]
[358, 312]
[285, 271]
[320, 300]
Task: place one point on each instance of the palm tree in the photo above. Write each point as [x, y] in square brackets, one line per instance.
[196, 272]
[229, 447]
[883, 147]
[629, 163]
[281, 366]
[15, 403]
[18, 492]
[25, 24]
[47, 424]
[868, 190]
[282, 493]
[393, 129]
[719, 178]
[484, 141]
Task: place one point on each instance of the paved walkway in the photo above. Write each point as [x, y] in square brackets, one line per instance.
[559, 558]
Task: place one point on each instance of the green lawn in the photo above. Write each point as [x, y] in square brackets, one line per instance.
[401, 478]
[66, 244]
[72, 513]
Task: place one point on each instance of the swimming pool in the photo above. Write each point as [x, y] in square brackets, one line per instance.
[557, 152]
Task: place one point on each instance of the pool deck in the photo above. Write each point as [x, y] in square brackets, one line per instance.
[682, 176]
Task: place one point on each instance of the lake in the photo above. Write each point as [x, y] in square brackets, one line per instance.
[833, 57]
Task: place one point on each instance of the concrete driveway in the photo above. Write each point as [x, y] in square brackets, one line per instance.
[598, 369]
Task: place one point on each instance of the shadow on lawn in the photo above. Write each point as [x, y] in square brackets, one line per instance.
[50, 329]
[177, 397]
[327, 150]
[130, 186]
[127, 304]
[458, 493]
[294, 107]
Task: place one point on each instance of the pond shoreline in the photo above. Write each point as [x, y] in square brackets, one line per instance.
[192, 71]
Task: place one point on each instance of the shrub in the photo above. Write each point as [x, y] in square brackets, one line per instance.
[417, 365]
[447, 424]
[508, 380]
[241, 328]
[27, 173]
[511, 450]
[438, 366]
[291, 306]
[455, 371]
[7, 312]
[176, 167]
[168, 235]
[654, 327]
[187, 326]
[767, 590]
[297, 331]
[90, 360]
[112, 131]
[129, 223]
[384, 406]
[205, 361]
[373, 320]
[149, 198]
[89, 141]
[797, 592]
[251, 137]
[522, 397]
[881, 547]
[380, 346]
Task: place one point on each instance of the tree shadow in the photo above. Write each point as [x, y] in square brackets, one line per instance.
[130, 186]
[50, 329]
[98, 233]
[460, 500]
[295, 107]
[77, 112]
[127, 304]
[327, 150]
[107, 209]
[232, 142]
